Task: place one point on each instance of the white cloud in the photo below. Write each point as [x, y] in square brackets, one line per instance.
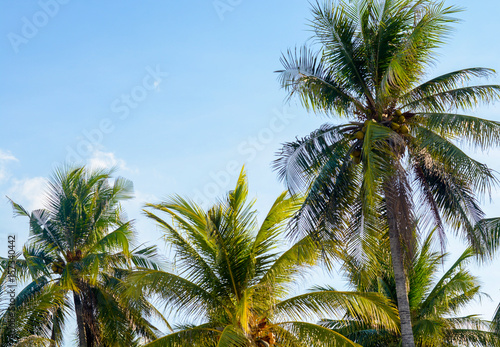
[29, 192]
[7, 156]
[106, 160]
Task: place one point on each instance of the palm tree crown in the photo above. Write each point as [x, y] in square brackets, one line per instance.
[81, 246]
[234, 279]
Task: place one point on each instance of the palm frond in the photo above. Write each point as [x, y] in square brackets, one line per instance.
[446, 82]
[477, 132]
[176, 292]
[460, 98]
[316, 335]
[367, 307]
[200, 336]
[305, 74]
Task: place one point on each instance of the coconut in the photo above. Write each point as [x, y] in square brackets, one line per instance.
[58, 267]
[359, 135]
[395, 126]
[272, 339]
[356, 160]
[363, 129]
[402, 119]
[404, 129]
[398, 113]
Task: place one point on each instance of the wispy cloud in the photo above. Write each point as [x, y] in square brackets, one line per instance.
[29, 192]
[106, 160]
[7, 156]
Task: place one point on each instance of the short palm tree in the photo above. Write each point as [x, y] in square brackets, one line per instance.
[233, 280]
[80, 247]
[401, 134]
[435, 301]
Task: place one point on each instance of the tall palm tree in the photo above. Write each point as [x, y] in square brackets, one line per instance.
[435, 301]
[234, 278]
[80, 247]
[401, 134]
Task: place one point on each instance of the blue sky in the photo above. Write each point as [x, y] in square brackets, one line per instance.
[177, 95]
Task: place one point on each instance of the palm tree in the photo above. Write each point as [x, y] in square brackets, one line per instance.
[434, 302]
[233, 281]
[80, 247]
[400, 140]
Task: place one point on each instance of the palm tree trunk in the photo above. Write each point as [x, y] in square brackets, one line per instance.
[79, 321]
[394, 214]
[401, 291]
[53, 338]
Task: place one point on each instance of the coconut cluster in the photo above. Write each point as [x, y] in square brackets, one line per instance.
[59, 265]
[74, 256]
[396, 121]
[263, 336]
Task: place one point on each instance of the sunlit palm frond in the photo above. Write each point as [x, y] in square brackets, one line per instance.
[454, 160]
[474, 131]
[326, 302]
[316, 335]
[446, 82]
[306, 75]
[201, 336]
[464, 98]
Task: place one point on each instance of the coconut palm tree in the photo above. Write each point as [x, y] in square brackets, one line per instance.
[232, 278]
[435, 301]
[399, 137]
[80, 247]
